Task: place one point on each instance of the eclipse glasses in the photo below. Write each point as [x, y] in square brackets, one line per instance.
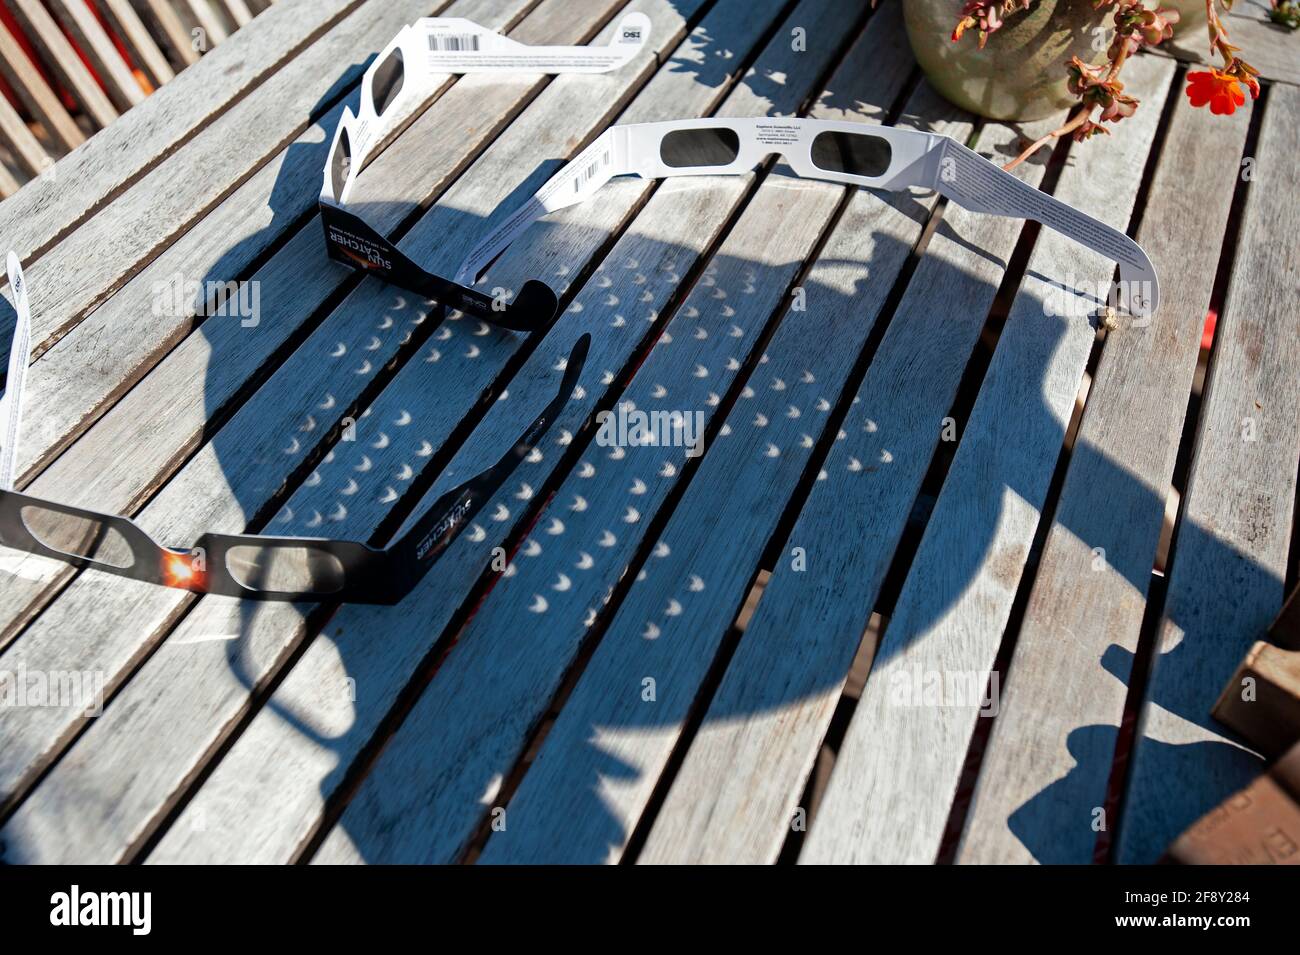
[878, 157]
[252, 566]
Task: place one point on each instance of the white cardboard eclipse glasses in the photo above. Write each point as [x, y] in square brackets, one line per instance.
[404, 75]
[407, 71]
[881, 157]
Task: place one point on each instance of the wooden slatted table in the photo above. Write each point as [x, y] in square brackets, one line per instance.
[911, 603]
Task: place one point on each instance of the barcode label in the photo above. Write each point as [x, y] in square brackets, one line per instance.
[453, 42]
[585, 176]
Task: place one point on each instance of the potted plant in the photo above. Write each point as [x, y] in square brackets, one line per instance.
[1031, 58]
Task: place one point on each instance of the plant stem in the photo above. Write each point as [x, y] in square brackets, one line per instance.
[1077, 120]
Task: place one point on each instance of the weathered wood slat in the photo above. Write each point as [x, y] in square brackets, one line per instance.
[643, 272]
[80, 22]
[170, 31]
[202, 16]
[20, 140]
[744, 773]
[601, 761]
[36, 218]
[133, 33]
[899, 765]
[237, 11]
[233, 460]
[37, 96]
[62, 59]
[1044, 775]
[1225, 586]
[216, 9]
[8, 184]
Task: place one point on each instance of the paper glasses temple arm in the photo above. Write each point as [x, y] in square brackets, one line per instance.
[457, 45]
[974, 183]
[20, 349]
[451, 513]
[577, 181]
[351, 241]
[90, 526]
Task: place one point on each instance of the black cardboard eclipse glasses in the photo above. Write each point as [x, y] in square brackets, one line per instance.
[251, 566]
[351, 241]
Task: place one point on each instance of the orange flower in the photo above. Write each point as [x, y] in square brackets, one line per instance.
[1220, 90]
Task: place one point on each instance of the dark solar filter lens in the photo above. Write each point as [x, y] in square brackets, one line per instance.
[387, 82]
[341, 162]
[684, 148]
[285, 569]
[78, 536]
[854, 154]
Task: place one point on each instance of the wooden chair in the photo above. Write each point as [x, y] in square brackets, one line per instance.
[68, 68]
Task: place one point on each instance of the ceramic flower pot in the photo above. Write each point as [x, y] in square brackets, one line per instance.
[1020, 73]
[1191, 20]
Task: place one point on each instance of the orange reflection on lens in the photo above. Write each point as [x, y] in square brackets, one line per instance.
[179, 571]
